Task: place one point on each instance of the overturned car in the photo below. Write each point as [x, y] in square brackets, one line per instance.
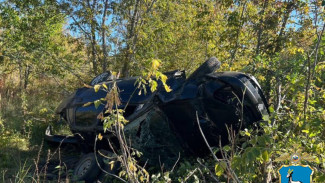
[163, 124]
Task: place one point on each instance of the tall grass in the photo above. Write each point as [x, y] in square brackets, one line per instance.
[24, 116]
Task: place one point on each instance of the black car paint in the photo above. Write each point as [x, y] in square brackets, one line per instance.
[215, 98]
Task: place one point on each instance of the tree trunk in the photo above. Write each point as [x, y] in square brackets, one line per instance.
[280, 38]
[131, 42]
[93, 50]
[311, 70]
[93, 37]
[20, 75]
[26, 77]
[104, 48]
[233, 54]
[260, 27]
[2, 87]
[278, 45]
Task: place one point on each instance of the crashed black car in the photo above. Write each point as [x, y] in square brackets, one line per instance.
[163, 124]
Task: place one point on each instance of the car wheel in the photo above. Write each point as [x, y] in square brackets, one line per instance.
[87, 168]
[209, 66]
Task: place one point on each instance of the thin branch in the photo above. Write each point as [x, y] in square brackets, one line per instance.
[80, 27]
[311, 74]
[211, 173]
[190, 175]
[179, 156]
[205, 140]
[100, 167]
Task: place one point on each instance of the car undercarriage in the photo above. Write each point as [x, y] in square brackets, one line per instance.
[163, 125]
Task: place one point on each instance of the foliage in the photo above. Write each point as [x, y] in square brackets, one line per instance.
[48, 48]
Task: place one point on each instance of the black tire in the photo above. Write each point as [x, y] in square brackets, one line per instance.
[87, 168]
[209, 66]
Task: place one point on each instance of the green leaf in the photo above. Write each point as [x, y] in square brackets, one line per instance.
[87, 104]
[167, 88]
[105, 86]
[244, 145]
[112, 164]
[265, 155]
[108, 124]
[96, 88]
[153, 86]
[261, 140]
[155, 64]
[250, 157]
[271, 109]
[226, 148]
[97, 103]
[305, 131]
[219, 169]
[256, 152]
[247, 133]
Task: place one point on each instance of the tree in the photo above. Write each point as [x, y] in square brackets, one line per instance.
[91, 20]
[32, 35]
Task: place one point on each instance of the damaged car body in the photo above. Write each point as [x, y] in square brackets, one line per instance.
[163, 124]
